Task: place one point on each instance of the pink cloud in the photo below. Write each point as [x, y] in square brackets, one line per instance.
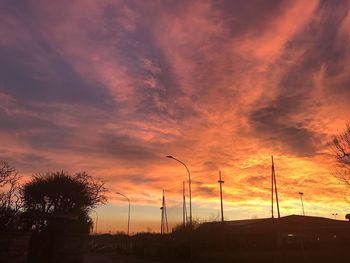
[218, 91]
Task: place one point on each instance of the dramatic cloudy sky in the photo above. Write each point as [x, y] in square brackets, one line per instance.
[111, 87]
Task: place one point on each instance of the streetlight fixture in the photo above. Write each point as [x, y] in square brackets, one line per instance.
[118, 193]
[189, 183]
[302, 203]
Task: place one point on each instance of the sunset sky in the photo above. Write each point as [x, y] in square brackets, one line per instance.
[111, 87]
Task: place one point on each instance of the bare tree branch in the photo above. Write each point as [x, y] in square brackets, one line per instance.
[340, 146]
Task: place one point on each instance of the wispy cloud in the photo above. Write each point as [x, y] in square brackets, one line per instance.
[112, 87]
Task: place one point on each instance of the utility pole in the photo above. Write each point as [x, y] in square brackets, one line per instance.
[302, 203]
[272, 168]
[164, 219]
[274, 187]
[184, 210]
[161, 218]
[222, 205]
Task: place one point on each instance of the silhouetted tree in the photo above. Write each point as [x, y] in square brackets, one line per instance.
[61, 195]
[10, 202]
[341, 148]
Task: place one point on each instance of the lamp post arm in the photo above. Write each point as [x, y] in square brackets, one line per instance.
[188, 171]
[124, 196]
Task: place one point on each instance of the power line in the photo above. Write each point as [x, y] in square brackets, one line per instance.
[179, 185]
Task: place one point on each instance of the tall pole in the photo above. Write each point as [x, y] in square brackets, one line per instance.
[189, 183]
[222, 205]
[165, 215]
[96, 221]
[129, 219]
[274, 180]
[302, 203]
[272, 171]
[128, 211]
[162, 216]
[164, 228]
[184, 210]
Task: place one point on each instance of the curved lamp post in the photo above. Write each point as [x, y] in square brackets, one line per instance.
[189, 183]
[129, 210]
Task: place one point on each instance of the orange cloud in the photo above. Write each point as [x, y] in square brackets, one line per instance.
[222, 85]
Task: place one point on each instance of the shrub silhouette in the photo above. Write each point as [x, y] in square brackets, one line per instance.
[56, 210]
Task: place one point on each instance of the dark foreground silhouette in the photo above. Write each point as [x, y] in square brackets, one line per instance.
[288, 239]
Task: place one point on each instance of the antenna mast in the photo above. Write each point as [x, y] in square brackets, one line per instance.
[184, 210]
[222, 205]
[164, 219]
[274, 187]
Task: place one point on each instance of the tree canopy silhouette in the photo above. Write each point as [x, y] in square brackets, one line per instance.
[61, 195]
[10, 202]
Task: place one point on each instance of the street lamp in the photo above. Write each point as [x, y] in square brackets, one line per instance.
[129, 209]
[96, 221]
[302, 203]
[189, 183]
